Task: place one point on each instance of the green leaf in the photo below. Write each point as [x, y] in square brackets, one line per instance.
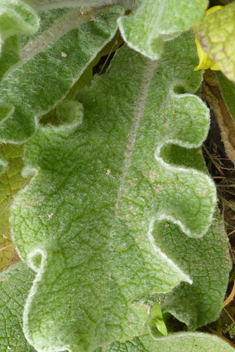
[216, 34]
[54, 4]
[51, 63]
[185, 342]
[161, 326]
[156, 311]
[157, 320]
[180, 342]
[17, 18]
[6, 111]
[200, 303]
[53, 116]
[85, 222]
[14, 286]
[9, 56]
[157, 21]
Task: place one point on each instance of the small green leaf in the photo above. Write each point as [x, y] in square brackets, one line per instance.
[152, 322]
[156, 311]
[157, 320]
[216, 34]
[161, 326]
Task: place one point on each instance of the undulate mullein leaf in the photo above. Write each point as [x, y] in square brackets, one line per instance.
[85, 222]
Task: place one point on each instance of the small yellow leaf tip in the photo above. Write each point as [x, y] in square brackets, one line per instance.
[213, 9]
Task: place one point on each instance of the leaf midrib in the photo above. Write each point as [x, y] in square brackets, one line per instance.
[138, 114]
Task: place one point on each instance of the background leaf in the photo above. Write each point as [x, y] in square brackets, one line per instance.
[54, 4]
[216, 34]
[16, 18]
[208, 263]
[156, 21]
[11, 182]
[14, 286]
[201, 302]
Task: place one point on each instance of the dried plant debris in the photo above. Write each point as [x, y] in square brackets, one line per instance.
[222, 171]
[212, 95]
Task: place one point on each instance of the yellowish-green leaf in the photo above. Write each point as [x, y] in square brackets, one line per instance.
[216, 34]
[161, 326]
[11, 181]
[156, 311]
[157, 320]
